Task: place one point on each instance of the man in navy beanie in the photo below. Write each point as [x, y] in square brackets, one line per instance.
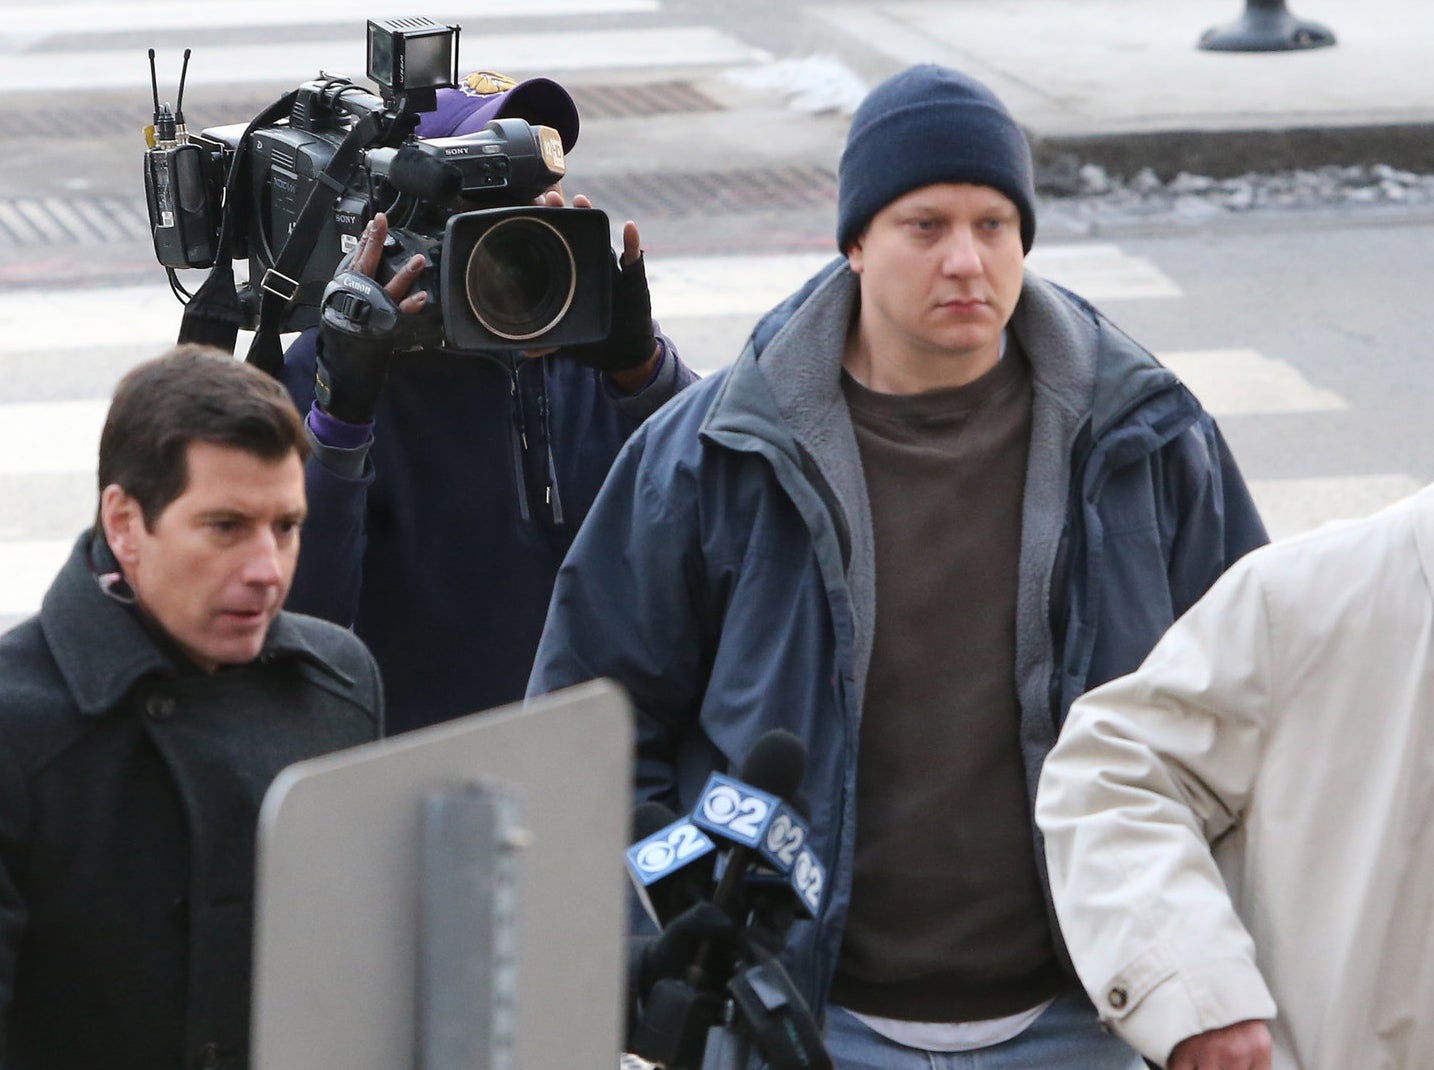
[933, 501]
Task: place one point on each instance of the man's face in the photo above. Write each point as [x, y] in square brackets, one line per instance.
[941, 270]
[217, 565]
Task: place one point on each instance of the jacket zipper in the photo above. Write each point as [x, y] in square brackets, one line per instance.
[554, 499]
[520, 444]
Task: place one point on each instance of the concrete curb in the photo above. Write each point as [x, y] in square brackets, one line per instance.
[1228, 153]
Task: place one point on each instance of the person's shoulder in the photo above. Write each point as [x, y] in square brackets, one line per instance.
[342, 658]
[330, 641]
[38, 715]
[678, 423]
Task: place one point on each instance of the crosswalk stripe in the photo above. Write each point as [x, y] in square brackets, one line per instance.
[718, 285]
[39, 21]
[1101, 272]
[1244, 382]
[35, 320]
[1291, 506]
[50, 436]
[293, 62]
[682, 288]
[26, 571]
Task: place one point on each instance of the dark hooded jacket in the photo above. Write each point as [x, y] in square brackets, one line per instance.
[130, 784]
[725, 575]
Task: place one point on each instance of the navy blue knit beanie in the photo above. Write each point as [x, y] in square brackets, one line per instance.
[926, 125]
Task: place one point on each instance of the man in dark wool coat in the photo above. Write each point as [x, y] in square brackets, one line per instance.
[143, 713]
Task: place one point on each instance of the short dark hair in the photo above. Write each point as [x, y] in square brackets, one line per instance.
[191, 393]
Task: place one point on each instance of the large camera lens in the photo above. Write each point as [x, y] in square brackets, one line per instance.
[521, 278]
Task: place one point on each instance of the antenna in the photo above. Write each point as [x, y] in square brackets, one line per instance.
[179, 100]
[154, 84]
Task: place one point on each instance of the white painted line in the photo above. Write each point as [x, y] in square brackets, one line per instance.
[1101, 272]
[750, 285]
[45, 20]
[727, 285]
[50, 436]
[38, 215]
[1292, 506]
[43, 320]
[1243, 382]
[17, 222]
[298, 61]
[26, 571]
[682, 287]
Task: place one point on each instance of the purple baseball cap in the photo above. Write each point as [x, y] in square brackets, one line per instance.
[483, 95]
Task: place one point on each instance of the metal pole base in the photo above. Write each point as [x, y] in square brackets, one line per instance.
[1266, 27]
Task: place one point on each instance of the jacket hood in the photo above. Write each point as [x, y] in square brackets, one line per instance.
[103, 647]
[1100, 371]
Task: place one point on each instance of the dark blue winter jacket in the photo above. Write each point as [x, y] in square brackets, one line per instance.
[725, 574]
[440, 545]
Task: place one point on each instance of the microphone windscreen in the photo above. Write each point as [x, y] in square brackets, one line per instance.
[415, 172]
[776, 763]
[649, 817]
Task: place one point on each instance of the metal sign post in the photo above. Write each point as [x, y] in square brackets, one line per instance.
[1266, 26]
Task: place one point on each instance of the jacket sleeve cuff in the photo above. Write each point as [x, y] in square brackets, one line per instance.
[1154, 1009]
[342, 460]
[659, 388]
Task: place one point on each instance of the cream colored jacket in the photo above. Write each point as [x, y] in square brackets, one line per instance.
[1287, 720]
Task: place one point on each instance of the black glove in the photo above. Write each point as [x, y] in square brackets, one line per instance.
[630, 340]
[674, 951]
[358, 325]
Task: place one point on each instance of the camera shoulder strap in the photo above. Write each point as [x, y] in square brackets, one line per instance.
[214, 314]
[280, 284]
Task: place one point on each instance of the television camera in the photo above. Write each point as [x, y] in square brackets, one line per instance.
[291, 191]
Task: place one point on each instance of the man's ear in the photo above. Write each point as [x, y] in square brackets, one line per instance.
[121, 517]
[854, 256]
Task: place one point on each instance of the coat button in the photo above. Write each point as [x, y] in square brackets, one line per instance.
[159, 707]
[208, 1058]
[1118, 998]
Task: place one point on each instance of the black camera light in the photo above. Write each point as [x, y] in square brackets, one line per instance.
[411, 54]
[526, 278]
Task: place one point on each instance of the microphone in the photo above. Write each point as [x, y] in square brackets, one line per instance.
[413, 171]
[711, 1019]
[751, 816]
[788, 863]
[670, 861]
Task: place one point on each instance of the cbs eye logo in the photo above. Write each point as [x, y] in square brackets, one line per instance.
[740, 814]
[671, 847]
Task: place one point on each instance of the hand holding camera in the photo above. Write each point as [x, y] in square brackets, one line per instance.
[358, 327]
[631, 343]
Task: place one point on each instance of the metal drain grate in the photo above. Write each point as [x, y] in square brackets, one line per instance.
[31, 222]
[34, 222]
[639, 101]
[129, 119]
[674, 193]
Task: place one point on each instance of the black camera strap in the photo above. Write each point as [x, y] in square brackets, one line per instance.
[280, 284]
[214, 314]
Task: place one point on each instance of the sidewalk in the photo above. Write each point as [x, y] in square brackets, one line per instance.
[1122, 84]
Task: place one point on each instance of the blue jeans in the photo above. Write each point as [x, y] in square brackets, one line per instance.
[1066, 1035]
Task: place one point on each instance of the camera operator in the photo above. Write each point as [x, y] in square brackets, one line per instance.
[445, 488]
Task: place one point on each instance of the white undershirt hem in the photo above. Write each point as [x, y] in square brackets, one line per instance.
[952, 1036]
